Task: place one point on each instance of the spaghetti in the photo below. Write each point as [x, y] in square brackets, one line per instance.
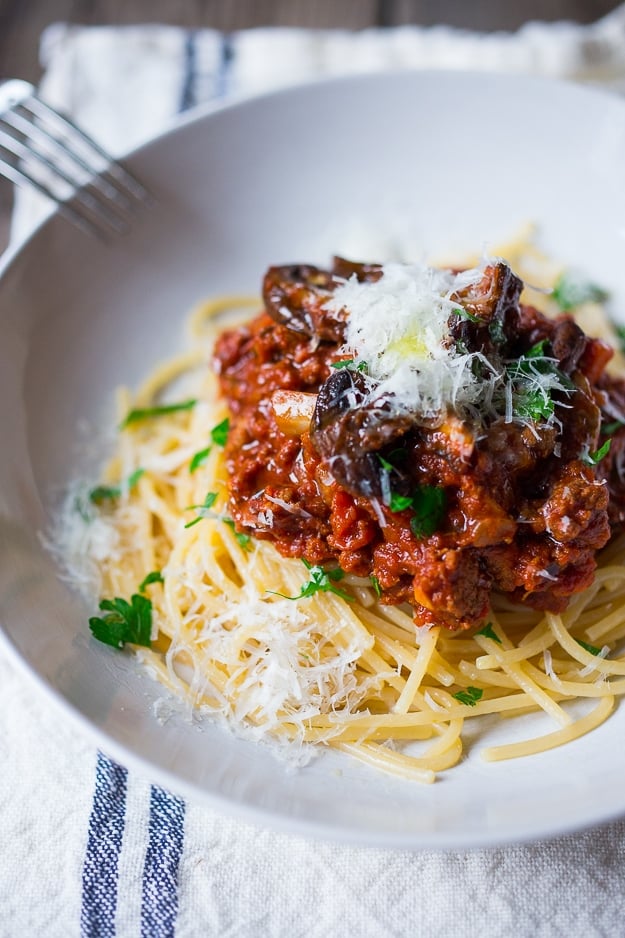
[303, 656]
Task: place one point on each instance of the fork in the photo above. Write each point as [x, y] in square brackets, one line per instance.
[44, 149]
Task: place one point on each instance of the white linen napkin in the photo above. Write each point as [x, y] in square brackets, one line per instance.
[91, 849]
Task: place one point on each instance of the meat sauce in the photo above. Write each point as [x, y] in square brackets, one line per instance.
[516, 507]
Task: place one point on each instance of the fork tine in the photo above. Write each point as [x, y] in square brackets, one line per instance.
[114, 215]
[119, 176]
[19, 177]
[43, 139]
[48, 151]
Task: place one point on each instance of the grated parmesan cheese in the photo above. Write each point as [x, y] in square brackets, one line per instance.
[398, 327]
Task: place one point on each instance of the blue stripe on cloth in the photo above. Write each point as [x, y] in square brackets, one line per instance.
[159, 905]
[222, 79]
[106, 830]
[187, 93]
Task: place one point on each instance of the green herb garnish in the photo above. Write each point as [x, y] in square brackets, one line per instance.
[609, 428]
[375, 583]
[570, 292]
[219, 434]
[142, 413]
[321, 581]
[591, 459]
[103, 493]
[470, 696]
[199, 458]
[465, 314]
[154, 577]
[125, 622]
[428, 503]
[592, 649]
[533, 404]
[537, 350]
[400, 502]
[350, 364]
[386, 464]
[488, 632]
[208, 503]
[535, 376]
[243, 540]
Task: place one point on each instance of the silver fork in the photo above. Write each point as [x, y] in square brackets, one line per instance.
[43, 149]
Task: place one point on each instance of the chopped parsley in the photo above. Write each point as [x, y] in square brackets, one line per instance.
[199, 459]
[103, 493]
[321, 581]
[208, 503]
[488, 632]
[570, 292]
[154, 577]
[243, 540]
[591, 459]
[609, 428]
[427, 503]
[592, 649]
[375, 583]
[351, 365]
[219, 434]
[537, 350]
[124, 622]
[534, 376]
[465, 314]
[470, 696]
[142, 413]
[400, 502]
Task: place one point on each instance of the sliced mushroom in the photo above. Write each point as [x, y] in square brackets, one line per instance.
[295, 295]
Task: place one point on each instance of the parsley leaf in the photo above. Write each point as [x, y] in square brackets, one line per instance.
[219, 434]
[589, 648]
[103, 493]
[142, 413]
[488, 632]
[570, 292]
[591, 459]
[351, 365]
[533, 404]
[244, 540]
[428, 503]
[534, 376]
[208, 502]
[465, 314]
[154, 577]
[321, 581]
[124, 622]
[199, 458]
[400, 502]
[470, 696]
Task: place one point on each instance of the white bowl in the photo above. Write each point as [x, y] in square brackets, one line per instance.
[453, 161]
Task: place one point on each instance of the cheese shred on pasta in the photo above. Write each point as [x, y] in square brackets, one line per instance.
[360, 677]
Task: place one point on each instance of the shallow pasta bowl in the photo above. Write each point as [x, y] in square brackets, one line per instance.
[442, 163]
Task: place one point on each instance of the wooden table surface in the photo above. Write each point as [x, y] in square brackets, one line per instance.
[22, 22]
